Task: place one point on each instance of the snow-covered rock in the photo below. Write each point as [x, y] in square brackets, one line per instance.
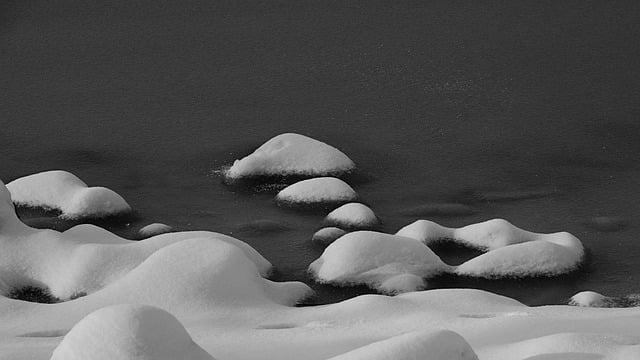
[291, 154]
[327, 235]
[590, 299]
[353, 215]
[154, 229]
[61, 190]
[423, 345]
[129, 332]
[513, 252]
[376, 260]
[317, 190]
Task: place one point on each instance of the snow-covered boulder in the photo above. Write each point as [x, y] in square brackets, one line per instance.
[376, 260]
[291, 154]
[154, 229]
[512, 252]
[129, 332]
[61, 190]
[590, 299]
[316, 191]
[423, 345]
[327, 235]
[353, 215]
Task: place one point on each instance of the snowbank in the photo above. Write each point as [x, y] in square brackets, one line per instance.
[317, 190]
[423, 345]
[291, 154]
[377, 260]
[353, 215]
[326, 236]
[129, 332]
[513, 252]
[154, 229]
[64, 191]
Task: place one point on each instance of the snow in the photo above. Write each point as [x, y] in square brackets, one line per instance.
[64, 191]
[213, 287]
[327, 235]
[590, 298]
[154, 229]
[375, 259]
[423, 345]
[512, 252]
[353, 215]
[129, 332]
[291, 154]
[317, 190]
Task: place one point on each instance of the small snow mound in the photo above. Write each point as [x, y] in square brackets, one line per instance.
[317, 190]
[129, 332]
[64, 191]
[402, 283]
[372, 258]
[326, 236]
[291, 154]
[353, 215]
[423, 345]
[154, 229]
[590, 299]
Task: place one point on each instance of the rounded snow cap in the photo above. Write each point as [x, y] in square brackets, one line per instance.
[126, 332]
[291, 154]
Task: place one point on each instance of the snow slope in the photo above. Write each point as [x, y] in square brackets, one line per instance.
[64, 191]
[291, 154]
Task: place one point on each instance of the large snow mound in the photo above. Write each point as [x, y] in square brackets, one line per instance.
[84, 258]
[317, 190]
[129, 332]
[384, 262]
[292, 154]
[423, 345]
[64, 191]
[512, 252]
[353, 215]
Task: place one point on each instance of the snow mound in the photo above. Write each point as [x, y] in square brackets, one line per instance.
[154, 229]
[129, 332]
[64, 191]
[513, 252]
[317, 190]
[291, 154]
[84, 258]
[375, 259]
[326, 236]
[353, 215]
[594, 299]
[423, 345]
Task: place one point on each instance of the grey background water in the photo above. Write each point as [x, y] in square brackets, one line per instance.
[527, 111]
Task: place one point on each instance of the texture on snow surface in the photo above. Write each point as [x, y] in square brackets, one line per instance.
[317, 190]
[353, 215]
[385, 262]
[61, 190]
[512, 252]
[423, 345]
[129, 332]
[292, 154]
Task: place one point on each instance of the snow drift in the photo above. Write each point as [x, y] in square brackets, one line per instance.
[291, 154]
[129, 332]
[61, 190]
[385, 262]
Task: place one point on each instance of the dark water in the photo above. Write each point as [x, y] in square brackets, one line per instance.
[528, 111]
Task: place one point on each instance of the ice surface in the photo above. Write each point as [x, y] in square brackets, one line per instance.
[291, 154]
[61, 190]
